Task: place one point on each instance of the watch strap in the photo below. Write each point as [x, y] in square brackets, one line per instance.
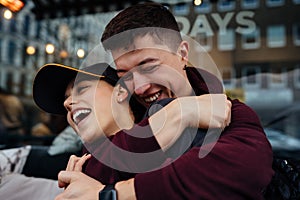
[108, 193]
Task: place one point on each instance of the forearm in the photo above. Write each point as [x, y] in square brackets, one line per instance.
[125, 190]
[206, 111]
[167, 124]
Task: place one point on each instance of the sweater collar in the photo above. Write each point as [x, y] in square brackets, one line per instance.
[203, 82]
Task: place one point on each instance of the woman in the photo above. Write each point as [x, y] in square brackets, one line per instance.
[97, 110]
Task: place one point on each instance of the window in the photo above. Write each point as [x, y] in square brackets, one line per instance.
[276, 36]
[250, 4]
[296, 1]
[226, 40]
[11, 52]
[1, 51]
[181, 9]
[274, 3]
[38, 29]
[278, 78]
[26, 25]
[2, 82]
[9, 81]
[226, 5]
[297, 76]
[22, 87]
[228, 75]
[251, 77]
[251, 40]
[205, 7]
[296, 34]
[13, 25]
[1, 24]
[204, 40]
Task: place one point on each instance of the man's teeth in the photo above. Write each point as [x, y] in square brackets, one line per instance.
[153, 98]
[79, 115]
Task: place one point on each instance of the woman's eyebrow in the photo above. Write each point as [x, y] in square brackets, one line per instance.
[66, 96]
[121, 70]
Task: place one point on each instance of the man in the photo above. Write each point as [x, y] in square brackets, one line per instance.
[145, 43]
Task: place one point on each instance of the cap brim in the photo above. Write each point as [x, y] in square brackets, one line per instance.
[51, 81]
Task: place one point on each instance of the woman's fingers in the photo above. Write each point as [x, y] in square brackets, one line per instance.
[75, 163]
[81, 161]
[71, 163]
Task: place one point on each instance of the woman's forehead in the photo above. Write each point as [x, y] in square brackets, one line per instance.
[84, 77]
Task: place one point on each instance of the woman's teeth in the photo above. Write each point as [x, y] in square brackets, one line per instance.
[80, 115]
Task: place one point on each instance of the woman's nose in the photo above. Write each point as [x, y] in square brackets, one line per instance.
[68, 103]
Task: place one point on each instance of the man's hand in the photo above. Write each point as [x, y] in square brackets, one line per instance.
[80, 186]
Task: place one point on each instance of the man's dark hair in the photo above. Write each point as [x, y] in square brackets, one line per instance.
[140, 20]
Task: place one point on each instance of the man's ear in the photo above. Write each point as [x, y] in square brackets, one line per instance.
[183, 50]
[122, 93]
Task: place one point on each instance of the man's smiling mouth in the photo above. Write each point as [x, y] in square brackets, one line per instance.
[79, 115]
[152, 98]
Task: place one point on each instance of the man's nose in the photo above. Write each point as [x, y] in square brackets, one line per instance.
[142, 89]
[141, 83]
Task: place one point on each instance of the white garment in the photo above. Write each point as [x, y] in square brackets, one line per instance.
[66, 141]
[20, 187]
[13, 160]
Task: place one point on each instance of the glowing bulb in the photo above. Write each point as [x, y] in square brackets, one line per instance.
[50, 48]
[7, 14]
[197, 2]
[80, 53]
[30, 50]
[63, 54]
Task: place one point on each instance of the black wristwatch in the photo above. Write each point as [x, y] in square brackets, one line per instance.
[108, 193]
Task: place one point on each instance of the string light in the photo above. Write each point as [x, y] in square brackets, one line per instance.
[7, 14]
[30, 50]
[197, 2]
[50, 48]
[80, 53]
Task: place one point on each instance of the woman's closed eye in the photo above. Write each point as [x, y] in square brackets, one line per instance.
[81, 87]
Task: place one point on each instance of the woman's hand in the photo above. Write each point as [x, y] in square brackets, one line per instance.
[80, 186]
[75, 163]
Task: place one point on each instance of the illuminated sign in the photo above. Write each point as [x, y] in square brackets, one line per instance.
[13, 5]
[244, 20]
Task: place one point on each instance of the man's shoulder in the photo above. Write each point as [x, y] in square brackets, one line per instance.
[203, 81]
[238, 105]
[243, 116]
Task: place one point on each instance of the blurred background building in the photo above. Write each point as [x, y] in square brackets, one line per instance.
[254, 43]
